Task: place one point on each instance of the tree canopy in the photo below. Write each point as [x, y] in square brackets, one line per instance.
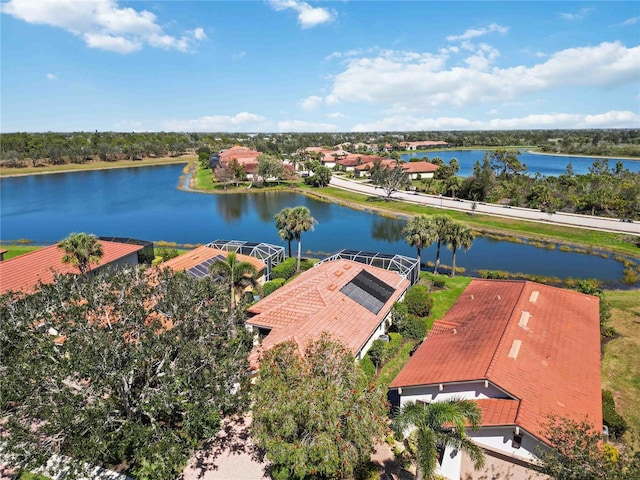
[119, 369]
[314, 414]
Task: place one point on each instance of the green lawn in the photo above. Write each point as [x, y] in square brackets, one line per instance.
[621, 359]
[15, 250]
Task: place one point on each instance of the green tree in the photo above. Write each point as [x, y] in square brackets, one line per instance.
[284, 226]
[238, 275]
[458, 236]
[419, 233]
[577, 453]
[314, 414]
[389, 179]
[81, 250]
[291, 224]
[270, 167]
[440, 225]
[432, 429]
[138, 373]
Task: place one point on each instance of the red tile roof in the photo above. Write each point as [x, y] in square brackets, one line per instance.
[23, 273]
[242, 154]
[197, 256]
[313, 303]
[540, 344]
[498, 411]
[419, 167]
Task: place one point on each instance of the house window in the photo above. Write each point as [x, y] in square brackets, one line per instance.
[517, 441]
[439, 453]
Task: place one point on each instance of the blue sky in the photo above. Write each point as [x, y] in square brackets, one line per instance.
[294, 66]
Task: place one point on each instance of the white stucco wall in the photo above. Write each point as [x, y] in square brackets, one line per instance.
[465, 390]
[500, 439]
[374, 336]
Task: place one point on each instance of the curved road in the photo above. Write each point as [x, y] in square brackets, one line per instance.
[560, 218]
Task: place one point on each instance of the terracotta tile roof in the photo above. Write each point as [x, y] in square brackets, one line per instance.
[540, 344]
[498, 411]
[313, 303]
[385, 162]
[197, 256]
[353, 159]
[23, 273]
[241, 154]
[419, 167]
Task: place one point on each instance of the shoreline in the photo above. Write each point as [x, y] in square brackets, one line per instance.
[533, 152]
[135, 164]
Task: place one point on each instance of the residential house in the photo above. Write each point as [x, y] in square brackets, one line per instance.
[262, 256]
[345, 298]
[423, 145]
[24, 272]
[522, 351]
[245, 156]
[420, 170]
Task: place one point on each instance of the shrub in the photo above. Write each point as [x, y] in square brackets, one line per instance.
[393, 345]
[367, 366]
[284, 270]
[377, 352]
[495, 274]
[271, 286]
[418, 301]
[438, 282]
[611, 418]
[167, 253]
[413, 327]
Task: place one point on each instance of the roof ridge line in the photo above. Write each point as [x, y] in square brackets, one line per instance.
[504, 331]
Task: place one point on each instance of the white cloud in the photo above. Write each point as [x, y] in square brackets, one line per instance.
[199, 34]
[311, 103]
[631, 21]
[302, 126]
[51, 76]
[478, 32]
[239, 55]
[613, 119]
[102, 24]
[308, 16]
[335, 115]
[413, 81]
[580, 15]
[241, 122]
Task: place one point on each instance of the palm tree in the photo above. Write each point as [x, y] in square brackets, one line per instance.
[419, 233]
[81, 250]
[301, 221]
[240, 275]
[440, 225]
[458, 236]
[282, 224]
[439, 425]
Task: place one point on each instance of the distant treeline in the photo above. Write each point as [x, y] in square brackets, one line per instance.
[33, 149]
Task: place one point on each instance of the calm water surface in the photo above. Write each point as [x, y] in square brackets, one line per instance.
[145, 203]
[548, 165]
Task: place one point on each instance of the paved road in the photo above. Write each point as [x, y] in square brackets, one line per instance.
[574, 220]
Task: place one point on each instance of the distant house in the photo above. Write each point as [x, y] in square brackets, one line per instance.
[420, 169]
[423, 145]
[23, 273]
[522, 351]
[348, 299]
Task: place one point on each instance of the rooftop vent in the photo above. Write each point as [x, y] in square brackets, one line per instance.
[534, 296]
[524, 319]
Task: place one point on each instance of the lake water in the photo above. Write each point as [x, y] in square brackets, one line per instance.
[548, 165]
[145, 203]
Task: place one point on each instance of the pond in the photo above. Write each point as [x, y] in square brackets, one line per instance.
[145, 203]
[548, 165]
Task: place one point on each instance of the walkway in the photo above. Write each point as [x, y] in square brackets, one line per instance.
[560, 218]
